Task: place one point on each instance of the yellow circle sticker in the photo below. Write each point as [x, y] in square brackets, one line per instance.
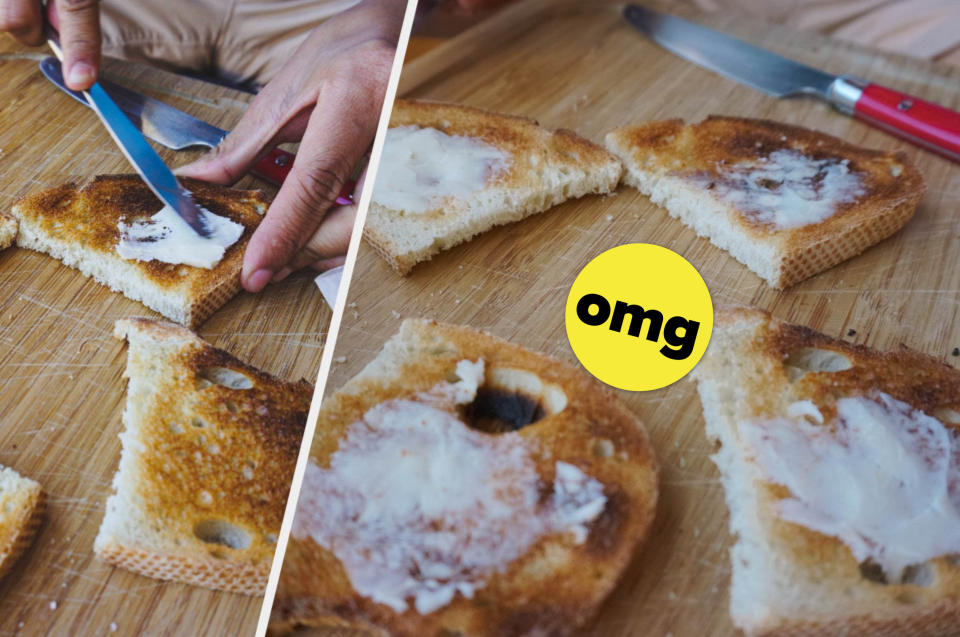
[639, 317]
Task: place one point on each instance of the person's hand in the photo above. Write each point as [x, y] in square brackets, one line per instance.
[78, 22]
[328, 97]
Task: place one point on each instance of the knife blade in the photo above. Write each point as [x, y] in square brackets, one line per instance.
[923, 123]
[138, 151]
[177, 130]
[164, 124]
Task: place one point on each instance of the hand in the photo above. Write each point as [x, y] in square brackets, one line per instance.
[328, 97]
[78, 22]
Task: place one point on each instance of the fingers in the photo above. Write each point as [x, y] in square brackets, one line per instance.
[79, 25]
[23, 19]
[279, 113]
[339, 131]
[327, 245]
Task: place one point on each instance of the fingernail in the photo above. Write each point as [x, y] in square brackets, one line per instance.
[81, 74]
[258, 280]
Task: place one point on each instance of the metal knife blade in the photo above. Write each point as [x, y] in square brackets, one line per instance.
[161, 122]
[135, 147]
[758, 68]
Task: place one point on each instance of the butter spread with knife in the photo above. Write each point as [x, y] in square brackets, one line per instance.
[166, 237]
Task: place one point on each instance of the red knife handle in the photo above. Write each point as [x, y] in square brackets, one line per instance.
[923, 123]
[277, 165]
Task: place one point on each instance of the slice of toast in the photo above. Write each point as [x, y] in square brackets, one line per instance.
[79, 226]
[8, 230]
[425, 507]
[830, 457]
[22, 506]
[530, 169]
[209, 448]
[785, 201]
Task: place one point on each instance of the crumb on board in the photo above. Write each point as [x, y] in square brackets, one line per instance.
[395, 313]
[53, 605]
[851, 332]
[609, 217]
[956, 351]
[113, 627]
[340, 359]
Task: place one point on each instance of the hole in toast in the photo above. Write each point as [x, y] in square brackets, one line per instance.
[198, 422]
[919, 574]
[226, 377]
[872, 571]
[602, 448]
[511, 399]
[221, 532]
[812, 359]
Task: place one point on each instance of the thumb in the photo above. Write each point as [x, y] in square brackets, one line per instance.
[79, 25]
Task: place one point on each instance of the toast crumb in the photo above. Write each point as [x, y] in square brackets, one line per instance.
[23, 504]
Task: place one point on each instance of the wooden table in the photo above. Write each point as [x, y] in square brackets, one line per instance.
[61, 391]
[578, 65]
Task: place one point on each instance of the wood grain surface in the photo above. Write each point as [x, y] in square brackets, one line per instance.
[61, 391]
[578, 65]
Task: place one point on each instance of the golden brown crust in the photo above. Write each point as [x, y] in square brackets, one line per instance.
[702, 151]
[557, 585]
[89, 216]
[218, 452]
[919, 380]
[20, 526]
[8, 230]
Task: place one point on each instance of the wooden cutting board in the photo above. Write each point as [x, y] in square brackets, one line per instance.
[578, 65]
[61, 391]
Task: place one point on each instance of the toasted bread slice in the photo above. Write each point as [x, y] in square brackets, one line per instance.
[785, 201]
[8, 230]
[209, 448]
[22, 506]
[830, 455]
[78, 225]
[451, 423]
[529, 169]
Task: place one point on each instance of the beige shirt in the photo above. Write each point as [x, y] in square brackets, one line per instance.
[239, 41]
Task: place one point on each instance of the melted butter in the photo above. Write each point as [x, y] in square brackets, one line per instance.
[423, 168]
[166, 237]
[418, 506]
[786, 189]
[885, 480]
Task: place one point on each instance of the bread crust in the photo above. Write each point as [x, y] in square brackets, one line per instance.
[666, 154]
[8, 230]
[202, 459]
[811, 584]
[78, 224]
[546, 169]
[20, 525]
[553, 588]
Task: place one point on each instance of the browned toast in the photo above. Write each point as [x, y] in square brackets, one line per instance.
[836, 461]
[79, 226]
[786, 201]
[22, 507]
[522, 425]
[531, 170]
[8, 230]
[209, 448]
